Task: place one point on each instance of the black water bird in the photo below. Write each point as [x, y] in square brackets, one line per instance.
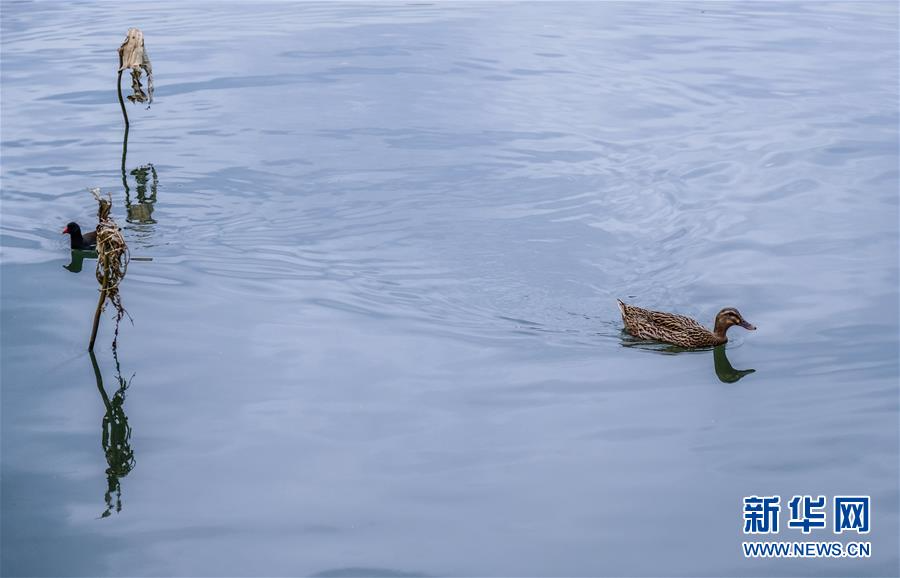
[85, 242]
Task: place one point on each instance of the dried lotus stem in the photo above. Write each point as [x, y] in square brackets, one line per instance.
[133, 55]
[112, 264]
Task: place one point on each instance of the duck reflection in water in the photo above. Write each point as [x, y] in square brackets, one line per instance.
[115, 437]
[724, 371]
[722, 366]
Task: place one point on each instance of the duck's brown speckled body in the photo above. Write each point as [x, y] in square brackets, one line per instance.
[678, 329]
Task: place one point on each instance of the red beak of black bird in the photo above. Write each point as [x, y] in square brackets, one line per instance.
[86, 242]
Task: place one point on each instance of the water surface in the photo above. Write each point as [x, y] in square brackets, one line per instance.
[375, 329]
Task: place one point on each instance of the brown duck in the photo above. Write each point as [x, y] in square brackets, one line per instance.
[678, 329]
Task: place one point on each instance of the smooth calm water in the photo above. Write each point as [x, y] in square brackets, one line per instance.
[375, 329]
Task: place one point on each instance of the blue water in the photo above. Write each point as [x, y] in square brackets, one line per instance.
[374, 321]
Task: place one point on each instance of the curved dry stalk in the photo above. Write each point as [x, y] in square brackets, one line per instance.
[112, 264]
[133, 55]
[122, 104]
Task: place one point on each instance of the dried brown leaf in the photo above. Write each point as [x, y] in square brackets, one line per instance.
[133, 55]
[112, 258]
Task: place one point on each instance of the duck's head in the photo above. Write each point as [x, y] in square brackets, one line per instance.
[72, 229]
[728, 317]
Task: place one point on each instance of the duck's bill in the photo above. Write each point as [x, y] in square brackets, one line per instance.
[64, 231]
[748, 326]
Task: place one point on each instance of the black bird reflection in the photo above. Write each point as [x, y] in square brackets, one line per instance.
[78, 257]
[115, 437]
[722, 366]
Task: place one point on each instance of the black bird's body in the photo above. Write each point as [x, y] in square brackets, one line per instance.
[79, 241]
